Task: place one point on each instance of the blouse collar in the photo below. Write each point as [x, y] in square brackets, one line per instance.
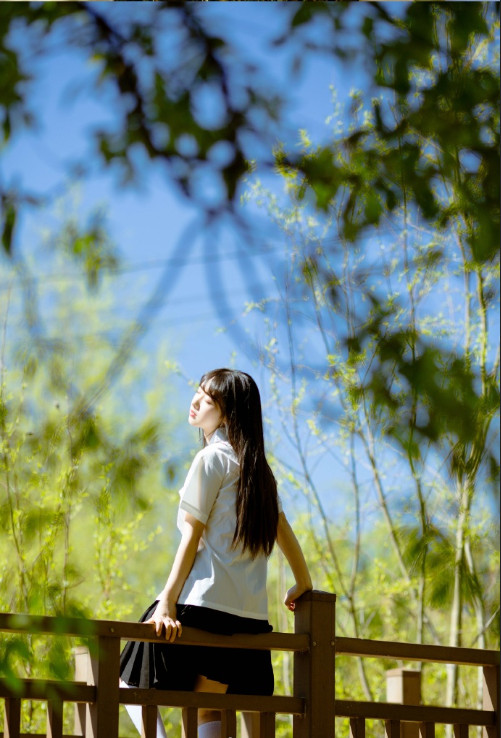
[218, 435]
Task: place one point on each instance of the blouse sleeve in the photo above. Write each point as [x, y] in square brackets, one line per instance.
[202, 484]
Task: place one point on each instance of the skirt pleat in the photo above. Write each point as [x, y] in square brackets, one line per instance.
[172, 666]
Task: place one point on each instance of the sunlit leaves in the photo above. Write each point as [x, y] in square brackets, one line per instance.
[12, 650]
[455, 112]
[391, 308]
[392, 375]
[73, 486]
[158, 101]
[175, 100]
[90, 246]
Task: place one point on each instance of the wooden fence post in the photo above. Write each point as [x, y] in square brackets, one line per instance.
[228, 724]
[102, 718]
[314, 670]
[83, 673]
[12, 717]
[190, 722]
[404, 687]
[427, 730]
[491, 698]
[357, 728]
[249, 724]
[54, 719]
[392, 728]
[149, 721]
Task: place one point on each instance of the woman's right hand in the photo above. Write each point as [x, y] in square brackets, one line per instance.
[164, 618]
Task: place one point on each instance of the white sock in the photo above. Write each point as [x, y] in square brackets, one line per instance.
[135, 714]
[210, 730]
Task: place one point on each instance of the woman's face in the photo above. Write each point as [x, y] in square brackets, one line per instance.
[204, 413]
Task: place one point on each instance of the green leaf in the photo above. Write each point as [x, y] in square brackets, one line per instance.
[9, 221]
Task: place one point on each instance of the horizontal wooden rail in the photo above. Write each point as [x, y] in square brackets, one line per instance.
[40, 689]
[267, 641]
[417, 652]
[77, 692]
[146, 632]
[243, 703]
[314, 707]
[43, 689]
[414, 713]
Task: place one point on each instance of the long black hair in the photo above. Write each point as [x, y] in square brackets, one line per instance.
[237, 396]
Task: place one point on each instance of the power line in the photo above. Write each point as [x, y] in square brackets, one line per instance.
[231, 312]
[106, 309]
[167, 321]
[153, 264]
[150, 265]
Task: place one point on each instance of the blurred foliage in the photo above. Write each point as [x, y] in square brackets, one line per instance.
[444, 112]
[90, 245]
[160, 98]
[384, 357]
[399, 381]
[431, 141]
[86, 497]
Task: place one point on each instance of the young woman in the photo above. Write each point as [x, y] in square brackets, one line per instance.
[230, 517]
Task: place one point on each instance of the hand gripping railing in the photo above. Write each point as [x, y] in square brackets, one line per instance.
[97, 695]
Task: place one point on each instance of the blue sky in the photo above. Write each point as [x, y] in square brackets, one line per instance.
[148, 221]
[154, 227]
[151, 223]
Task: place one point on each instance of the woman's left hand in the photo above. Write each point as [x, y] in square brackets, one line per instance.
[293, 594]
[164, 617]
[165, 614]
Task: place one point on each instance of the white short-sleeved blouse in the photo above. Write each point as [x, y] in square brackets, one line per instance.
[222, 577]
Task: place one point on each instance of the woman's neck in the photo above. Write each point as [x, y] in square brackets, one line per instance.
[208, 436]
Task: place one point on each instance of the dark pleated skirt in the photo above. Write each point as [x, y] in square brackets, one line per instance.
[171, 666]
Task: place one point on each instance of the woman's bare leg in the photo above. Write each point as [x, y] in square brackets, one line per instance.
[206, 716]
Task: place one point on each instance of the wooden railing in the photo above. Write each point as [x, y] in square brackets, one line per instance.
[97, 695]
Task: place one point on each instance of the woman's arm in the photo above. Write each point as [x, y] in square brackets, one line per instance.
[289, 545]
[165, 614]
